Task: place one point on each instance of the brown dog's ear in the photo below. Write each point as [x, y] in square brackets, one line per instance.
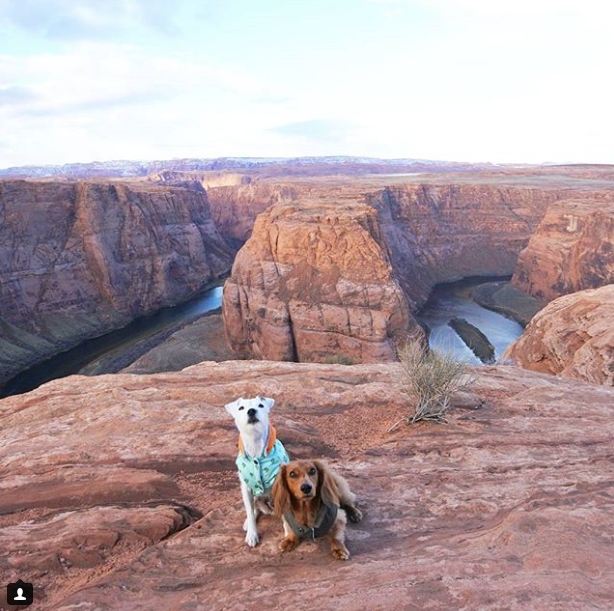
[280, 493]
[327, 488]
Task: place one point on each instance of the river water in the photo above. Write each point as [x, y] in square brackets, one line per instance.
[96, 355]
[102, 354]
[453, 300]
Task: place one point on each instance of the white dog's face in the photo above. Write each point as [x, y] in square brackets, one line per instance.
[250, 414]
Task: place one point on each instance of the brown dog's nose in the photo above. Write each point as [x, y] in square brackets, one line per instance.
[306, 487]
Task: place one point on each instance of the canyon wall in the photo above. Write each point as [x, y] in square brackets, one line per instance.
[234, 208]
[312, 283]
[438, 233]
[80, 259]
[572, 249]
[339, 269]
[573, 336]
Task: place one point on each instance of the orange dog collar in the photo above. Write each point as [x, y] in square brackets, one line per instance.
[270, 444]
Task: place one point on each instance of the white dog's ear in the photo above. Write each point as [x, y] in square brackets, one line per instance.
[268, 403]
[231, 408]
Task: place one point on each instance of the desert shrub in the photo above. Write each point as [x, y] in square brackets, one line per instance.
[432, 378]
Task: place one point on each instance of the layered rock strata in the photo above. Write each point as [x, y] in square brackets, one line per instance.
[314, 282]
[320, 277]
[437, 233]
[81, 259]
[572, 249]
[235, 208]
[510, 505]
[573, 336]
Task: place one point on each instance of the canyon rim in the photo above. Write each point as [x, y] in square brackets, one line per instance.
[119, 491]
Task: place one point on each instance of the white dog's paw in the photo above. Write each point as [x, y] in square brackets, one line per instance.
[245, 525]
[251, 539]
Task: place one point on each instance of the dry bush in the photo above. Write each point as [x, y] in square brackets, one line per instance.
[432, 378]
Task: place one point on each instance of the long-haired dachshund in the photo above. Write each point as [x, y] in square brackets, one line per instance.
[313, 502]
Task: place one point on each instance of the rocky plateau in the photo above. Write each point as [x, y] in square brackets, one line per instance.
[120, 492]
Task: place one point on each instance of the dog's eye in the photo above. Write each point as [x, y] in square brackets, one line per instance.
[293, 474]
[312, 471]
[260, 405]
[241, 407]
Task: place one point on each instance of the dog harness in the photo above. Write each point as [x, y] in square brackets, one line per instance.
[259, 473]
[325, 518]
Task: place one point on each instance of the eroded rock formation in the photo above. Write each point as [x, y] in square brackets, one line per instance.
[511, 503]
[572, 249]
[313, 283]
[235, 207]
[320, 276]
[445, 232]
[80, 259]
[573, 336]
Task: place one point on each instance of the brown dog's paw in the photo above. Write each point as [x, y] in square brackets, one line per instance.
[288, 544]
[354, 514]
[340, 553]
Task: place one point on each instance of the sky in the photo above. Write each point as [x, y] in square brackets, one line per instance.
[518, 81]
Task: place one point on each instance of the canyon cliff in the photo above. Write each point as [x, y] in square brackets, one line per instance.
[338, 270]
[573, 336]
[510, 505]
[313, 283]
[572, 249]
[444, 232]
[234, 208]
[80, 259]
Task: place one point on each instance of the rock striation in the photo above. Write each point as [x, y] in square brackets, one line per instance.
[314, 282]
[511, 503]
[440, 233]
[572, 249]
[339, 269]
[573, 336]
[235, 207]
[80, 259]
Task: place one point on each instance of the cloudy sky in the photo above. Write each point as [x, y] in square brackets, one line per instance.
[469, 80]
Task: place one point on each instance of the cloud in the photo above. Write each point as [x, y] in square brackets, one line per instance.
[88, 19]
[16, 95]
[107, 100]
[315, 129]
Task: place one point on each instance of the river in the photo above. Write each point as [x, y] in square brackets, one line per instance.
[453, 300]
[111, 352]
[116, 350]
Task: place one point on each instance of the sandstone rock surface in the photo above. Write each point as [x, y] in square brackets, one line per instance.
[573, 336]
[201, 340]
[320, 276]
[235, 207]
[572, 249]
[510, 506]
[81, 259]
[314, 282]
[443, 232]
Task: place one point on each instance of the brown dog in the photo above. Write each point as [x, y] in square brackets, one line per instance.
[314, 501]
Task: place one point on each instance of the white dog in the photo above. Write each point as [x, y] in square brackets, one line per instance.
[260, 457]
